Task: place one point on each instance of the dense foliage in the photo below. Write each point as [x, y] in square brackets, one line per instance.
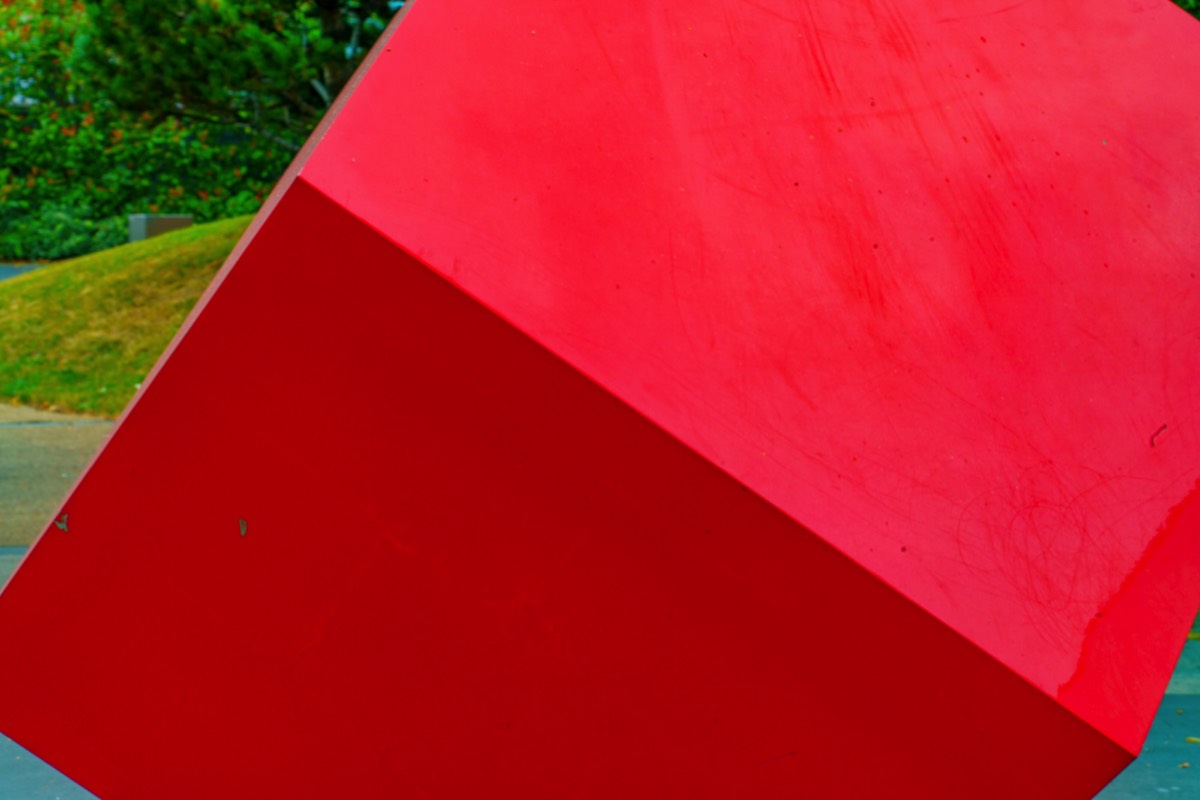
[271, 67]
[113, 107]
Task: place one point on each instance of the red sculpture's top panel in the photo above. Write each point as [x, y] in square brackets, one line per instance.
[923, 275]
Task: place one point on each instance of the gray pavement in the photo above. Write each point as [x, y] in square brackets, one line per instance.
[13, 270]
[41, 454]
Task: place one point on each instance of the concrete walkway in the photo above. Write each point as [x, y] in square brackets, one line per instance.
[41, 455]
[13, 270]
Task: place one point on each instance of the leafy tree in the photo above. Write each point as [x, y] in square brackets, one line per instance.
[73, 165]
[269, 67]
[181, 118]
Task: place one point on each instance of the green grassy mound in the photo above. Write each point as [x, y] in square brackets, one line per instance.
[80, 335]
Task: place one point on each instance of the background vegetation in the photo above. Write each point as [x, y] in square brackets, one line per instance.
[113, 107]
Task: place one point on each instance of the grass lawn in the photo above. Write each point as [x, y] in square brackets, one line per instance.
[80, 335]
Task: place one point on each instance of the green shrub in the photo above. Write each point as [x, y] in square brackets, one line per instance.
[78, 172]
[55, 231]
[74, 164]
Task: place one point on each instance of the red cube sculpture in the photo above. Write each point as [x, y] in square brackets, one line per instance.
[668, 399]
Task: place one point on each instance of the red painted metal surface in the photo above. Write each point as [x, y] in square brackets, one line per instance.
[699, 400]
